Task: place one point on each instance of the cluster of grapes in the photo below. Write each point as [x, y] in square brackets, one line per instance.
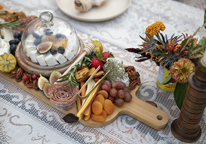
[117, 91]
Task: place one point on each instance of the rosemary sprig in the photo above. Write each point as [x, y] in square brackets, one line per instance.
[12, 24]
[86, 61]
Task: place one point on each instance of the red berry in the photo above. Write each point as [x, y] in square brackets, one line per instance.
[105, 55]
[96, 79]
[174, 81]
[34, 77]
[96, 62]
[186, 53]
[25, 78]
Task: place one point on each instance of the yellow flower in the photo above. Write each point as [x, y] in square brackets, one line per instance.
[181, 70]
[155, 28]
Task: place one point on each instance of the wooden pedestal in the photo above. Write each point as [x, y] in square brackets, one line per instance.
[186, 128]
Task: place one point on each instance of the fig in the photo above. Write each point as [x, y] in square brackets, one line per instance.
[46, 88]
[54, 76]
[41, 82]
[44, 47]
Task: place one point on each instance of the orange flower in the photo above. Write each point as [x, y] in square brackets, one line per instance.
[155, 28]
[181, 70]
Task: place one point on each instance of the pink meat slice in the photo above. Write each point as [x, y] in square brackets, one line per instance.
[61, 94]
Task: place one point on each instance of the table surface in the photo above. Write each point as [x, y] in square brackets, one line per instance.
[24, 119]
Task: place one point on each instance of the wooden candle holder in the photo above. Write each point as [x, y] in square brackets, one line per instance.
[186, 128]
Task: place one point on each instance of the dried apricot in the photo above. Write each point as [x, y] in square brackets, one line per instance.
[108, 106]
[99, 118]
[97, 108]
[100, 99]
[104, 93]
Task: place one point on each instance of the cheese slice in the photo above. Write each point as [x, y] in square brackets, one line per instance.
[41, 59]
[50, 60]
[4, 47]
[29, 49]
[7, 33]
[60, 58]
[33, 55]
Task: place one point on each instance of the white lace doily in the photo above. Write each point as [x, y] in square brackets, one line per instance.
[26, 119]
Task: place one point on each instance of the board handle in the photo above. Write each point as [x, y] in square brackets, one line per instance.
[146, 113]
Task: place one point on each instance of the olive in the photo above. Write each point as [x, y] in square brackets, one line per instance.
[37, 41]
[17, 40]
[12, 42]
[61, 50]
[12, 48]
[36, 35]
[53, 51]
[2, 37]
[60, 36]
[16, 35]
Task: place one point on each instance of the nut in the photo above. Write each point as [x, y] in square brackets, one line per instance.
[132, 85]
[18, 80]
[138, 81]
[35, 84]
[14, 71]
[12, 76]
[19, 73]
[30, 85]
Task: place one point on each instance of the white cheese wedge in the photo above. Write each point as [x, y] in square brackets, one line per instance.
[7, 33]
[41, 59]
[33, 55]
[69, 54]
[29, 49]
[4, 47]
[30, 38]
[60, 58]
[50, 60]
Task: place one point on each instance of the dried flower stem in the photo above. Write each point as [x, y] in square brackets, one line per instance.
[192, 36]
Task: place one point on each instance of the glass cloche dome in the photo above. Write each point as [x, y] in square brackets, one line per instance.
[49, 42]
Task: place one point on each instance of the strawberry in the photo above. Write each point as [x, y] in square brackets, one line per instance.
[25, 78]
[34, 77]
[96, 62]
[107, 55]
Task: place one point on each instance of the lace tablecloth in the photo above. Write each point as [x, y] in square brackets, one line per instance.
[24, 119]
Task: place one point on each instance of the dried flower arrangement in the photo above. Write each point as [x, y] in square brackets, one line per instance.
[178, 54]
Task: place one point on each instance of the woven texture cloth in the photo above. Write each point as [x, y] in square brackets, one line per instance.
[24, 119]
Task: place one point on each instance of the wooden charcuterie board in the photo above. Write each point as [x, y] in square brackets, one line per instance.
[137, 108]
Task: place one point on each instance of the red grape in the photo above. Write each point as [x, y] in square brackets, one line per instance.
[107, 82]
[111, 98]
[113, 92]
[105, 87]
[121, 93]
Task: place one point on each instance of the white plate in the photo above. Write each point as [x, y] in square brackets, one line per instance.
[109, 10]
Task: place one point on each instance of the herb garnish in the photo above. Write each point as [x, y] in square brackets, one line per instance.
[12, 24]
[86, 61]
